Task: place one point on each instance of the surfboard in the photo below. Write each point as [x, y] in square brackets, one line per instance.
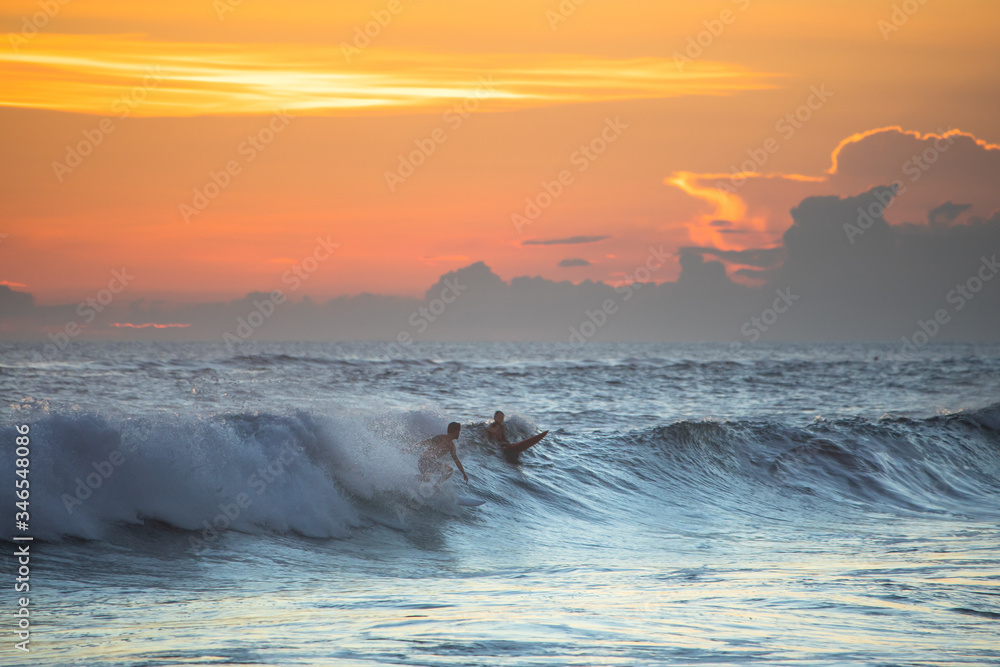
[468, 501]
[518, 447]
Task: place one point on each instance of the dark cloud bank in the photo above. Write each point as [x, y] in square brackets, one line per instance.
[843, 274]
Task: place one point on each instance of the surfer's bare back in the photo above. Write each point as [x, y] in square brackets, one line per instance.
[436, 447]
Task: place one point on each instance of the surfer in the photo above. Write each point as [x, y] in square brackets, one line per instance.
[497, 434]
[434, 449]
[496, 431]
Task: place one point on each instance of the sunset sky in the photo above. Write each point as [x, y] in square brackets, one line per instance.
[206, 146]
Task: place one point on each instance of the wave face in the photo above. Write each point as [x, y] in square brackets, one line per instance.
[941, 465]
[247, 472]
[322, 476]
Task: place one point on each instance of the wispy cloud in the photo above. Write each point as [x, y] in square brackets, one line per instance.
[444, 258]
[87, 73]
[572, 240]
[758, 257]
[148, 325]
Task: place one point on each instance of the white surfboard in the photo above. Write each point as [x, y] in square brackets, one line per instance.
[468, 501]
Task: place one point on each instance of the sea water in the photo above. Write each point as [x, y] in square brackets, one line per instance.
[692, 504]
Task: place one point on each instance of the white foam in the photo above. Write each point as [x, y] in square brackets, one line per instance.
[252, 472]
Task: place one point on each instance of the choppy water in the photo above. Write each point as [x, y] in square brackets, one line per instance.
[692, 504]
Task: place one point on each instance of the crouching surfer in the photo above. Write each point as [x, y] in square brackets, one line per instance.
[496, 431]
[497, 434]
[436, 447]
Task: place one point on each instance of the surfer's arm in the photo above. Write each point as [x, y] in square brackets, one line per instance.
[454, 455]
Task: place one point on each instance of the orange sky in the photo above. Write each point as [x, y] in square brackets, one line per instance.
[304, 124]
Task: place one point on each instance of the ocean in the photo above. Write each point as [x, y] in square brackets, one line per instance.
[777, 504]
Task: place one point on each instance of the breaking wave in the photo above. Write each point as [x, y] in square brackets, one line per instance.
[322, 476]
